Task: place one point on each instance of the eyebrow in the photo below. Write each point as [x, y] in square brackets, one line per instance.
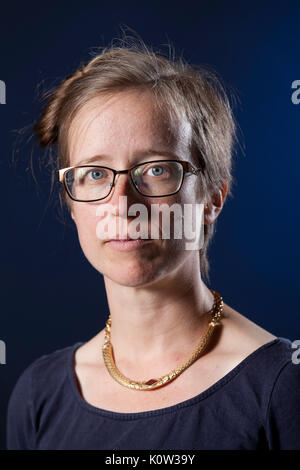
[141, 154]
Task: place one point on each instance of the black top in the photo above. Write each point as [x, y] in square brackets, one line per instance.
[255, 406]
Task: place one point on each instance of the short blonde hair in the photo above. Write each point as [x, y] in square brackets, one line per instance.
[177, 87]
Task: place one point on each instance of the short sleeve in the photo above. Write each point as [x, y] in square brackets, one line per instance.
[283, 416]
[20, 423]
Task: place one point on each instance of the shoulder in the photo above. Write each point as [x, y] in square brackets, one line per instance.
[245, 344]
[54, 364]
[42, 367]
[46, 370]
[49, 367]
[271, 367]
[283, 411]
[38, 381]
[240, 336]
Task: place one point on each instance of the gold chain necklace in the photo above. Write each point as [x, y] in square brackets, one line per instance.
[155, 383]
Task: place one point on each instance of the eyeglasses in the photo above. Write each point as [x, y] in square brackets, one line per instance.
[88, 183]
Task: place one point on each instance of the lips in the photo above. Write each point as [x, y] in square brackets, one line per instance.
[126, 238]
[128, 244]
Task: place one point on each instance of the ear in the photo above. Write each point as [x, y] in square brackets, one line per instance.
[214, 207]
[72, 215]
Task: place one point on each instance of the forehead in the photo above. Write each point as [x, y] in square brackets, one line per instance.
[123, 124]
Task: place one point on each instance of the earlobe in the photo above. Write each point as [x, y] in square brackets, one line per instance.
[213, 209]
[208, 212]
[218, 198]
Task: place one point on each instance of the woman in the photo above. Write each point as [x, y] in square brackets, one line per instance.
[155, 377]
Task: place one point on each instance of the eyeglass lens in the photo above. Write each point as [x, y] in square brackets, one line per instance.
[89, 183]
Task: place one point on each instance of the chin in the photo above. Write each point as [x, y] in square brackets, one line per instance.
[130, 269]
[135, 273]
[130, 279]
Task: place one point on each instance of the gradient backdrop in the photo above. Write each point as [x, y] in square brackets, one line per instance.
[51, 297]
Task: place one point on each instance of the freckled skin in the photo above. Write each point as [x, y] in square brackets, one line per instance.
[121, 126]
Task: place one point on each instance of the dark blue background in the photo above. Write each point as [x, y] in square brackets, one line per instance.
[51, 297]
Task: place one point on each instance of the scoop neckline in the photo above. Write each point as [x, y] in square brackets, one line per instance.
[159, 411]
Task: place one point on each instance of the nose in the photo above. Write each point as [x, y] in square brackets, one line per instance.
[123, 186]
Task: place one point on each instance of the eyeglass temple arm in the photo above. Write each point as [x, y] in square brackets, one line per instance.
[61, 173]
[192, 171]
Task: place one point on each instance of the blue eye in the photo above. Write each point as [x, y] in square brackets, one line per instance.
[96, 174]
[155, 173]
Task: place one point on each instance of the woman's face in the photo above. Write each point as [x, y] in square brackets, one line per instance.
[123, 130]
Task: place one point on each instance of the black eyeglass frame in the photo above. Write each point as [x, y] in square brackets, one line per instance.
[188, 169]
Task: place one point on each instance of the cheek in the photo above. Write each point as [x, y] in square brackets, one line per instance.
[187, 224]
[190, 189]
[86, 223]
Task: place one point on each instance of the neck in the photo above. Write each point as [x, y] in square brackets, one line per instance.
[163, 321]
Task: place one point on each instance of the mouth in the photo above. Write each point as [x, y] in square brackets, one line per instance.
[126, 238]
[128, 244]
